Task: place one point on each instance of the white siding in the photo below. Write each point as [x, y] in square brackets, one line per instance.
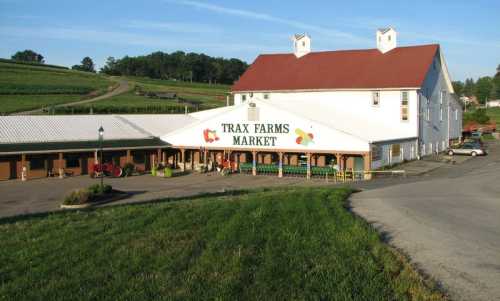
[408, 152]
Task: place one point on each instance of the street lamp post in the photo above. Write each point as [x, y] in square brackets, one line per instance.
[101, 136]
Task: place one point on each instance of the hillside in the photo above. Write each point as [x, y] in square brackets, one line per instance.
[25, 87]
[283, 244]
[147, 96]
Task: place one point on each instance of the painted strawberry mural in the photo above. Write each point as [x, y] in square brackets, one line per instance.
[210, 135]
[303, 138]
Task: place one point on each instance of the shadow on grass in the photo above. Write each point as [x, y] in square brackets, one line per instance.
[160, 200]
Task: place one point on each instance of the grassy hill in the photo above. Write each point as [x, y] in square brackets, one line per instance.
[277, 244]
[194, 96]
[25, 87]
[494, 114]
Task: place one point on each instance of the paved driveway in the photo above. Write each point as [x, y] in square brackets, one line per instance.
[44, 195]
[448, 223]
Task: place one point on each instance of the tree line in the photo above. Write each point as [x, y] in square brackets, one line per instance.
[178, 65]
[485, 88]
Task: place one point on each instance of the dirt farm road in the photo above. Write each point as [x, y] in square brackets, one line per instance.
[123, 86]
[448, 223]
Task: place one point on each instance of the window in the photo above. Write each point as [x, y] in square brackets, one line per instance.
[456, 114]
[304, 43]
[441, 101]
[376, 153]
[428, 114]
[37, 163]
[404, 105]
[396, 150]
[243, 97]
[139, 158]
[72, 162]
[375, 98]
[266, 95]
[389, 37]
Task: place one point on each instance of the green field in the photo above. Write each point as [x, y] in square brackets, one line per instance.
[26, 87]
[494, 114]
[258, 245]
[194, 96]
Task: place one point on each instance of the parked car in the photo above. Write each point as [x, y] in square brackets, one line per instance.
[467, 148]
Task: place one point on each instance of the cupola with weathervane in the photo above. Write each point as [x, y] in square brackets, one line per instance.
[301, 44]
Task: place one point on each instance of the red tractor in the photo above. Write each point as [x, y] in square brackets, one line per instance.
[106, 169]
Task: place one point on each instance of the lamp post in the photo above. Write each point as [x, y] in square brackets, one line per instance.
[101, 136]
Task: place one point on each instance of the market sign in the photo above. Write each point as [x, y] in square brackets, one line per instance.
[257, 134]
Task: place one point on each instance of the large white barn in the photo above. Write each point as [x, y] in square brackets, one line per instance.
[394, 103]
[351, 109]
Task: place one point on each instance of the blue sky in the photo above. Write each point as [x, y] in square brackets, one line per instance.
[66, 31]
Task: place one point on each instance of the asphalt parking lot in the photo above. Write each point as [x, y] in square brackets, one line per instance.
[448, 222]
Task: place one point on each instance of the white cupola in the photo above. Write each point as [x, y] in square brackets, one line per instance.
[301, 44]
[386, 39]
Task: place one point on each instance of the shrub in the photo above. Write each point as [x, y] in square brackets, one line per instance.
[128, 169]
[96, 190]
[77, 197]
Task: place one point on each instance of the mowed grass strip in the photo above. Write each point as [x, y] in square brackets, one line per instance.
[258, 245]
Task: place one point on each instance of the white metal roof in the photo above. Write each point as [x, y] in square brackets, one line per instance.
[37, 129]
[159, 124]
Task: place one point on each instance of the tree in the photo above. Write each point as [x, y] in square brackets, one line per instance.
[110, 67]
[87, 65]
[484, 86]
[495, 91]
[458, 87]
[28, 56]
[469, 88]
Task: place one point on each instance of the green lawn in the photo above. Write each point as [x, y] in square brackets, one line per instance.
[259, 245]
[26, 87]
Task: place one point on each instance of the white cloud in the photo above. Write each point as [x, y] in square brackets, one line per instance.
[270, 18]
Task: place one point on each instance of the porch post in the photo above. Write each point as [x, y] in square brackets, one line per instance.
[367, 166]
[183, 158]
[308, 166]
[96, 160]
[191, 156]
[254, 163]
[61, 166]
[24, 168]
[129, 156]
[280, 166]
[205, 157]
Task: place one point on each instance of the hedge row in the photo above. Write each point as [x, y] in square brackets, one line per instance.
[31, 64]
[21, 89]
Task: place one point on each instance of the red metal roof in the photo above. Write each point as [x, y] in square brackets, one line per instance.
[346, 69]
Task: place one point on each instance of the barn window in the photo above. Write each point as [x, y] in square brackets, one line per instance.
[266, 95]
[428, 114]
[37, 163]
[72, 162]
[456, 114]
[243, 97]
[375, 98]
[376, 152]
[441, 101]
[139, 158]
[396, 150]
[404, 105]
